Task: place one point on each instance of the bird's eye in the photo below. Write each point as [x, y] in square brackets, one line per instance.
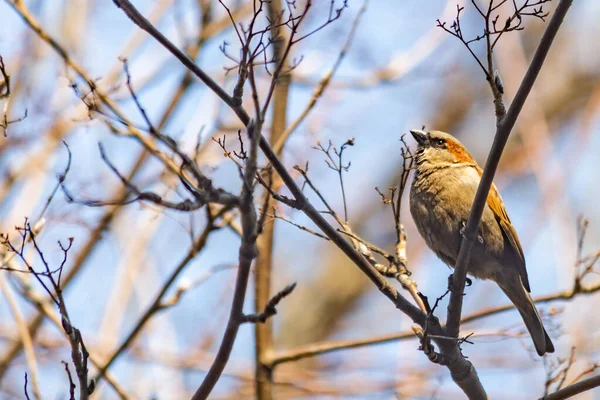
[439, 142]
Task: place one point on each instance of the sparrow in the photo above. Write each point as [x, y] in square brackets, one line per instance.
[441, 196]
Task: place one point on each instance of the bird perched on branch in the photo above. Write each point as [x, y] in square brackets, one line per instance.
[441, 197]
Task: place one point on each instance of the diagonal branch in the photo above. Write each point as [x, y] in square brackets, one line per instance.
[323, 83]
[315, 349]
[574, 389]
[503, 131]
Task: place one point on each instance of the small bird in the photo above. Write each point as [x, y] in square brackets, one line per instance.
[441, 197]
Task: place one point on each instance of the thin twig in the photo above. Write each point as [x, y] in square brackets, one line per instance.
[323, 83]
[574, 389]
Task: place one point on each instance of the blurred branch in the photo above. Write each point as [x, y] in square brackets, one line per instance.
[584, 266]
[401, 64]
[321, 86]
[583, 373]
[186, 286]
[574, 389]
[557, 373]
[109, 216]
[5, 94]
[263, 375]
[90, 98]
[30, 357]
[157, 304]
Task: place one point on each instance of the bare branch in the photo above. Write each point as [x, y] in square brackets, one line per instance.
[72, 385]
[316, 349]
[574, 389]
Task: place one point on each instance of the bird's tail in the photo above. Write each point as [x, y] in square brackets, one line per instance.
[515, 291]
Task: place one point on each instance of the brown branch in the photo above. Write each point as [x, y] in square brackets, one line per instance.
[270, 308]
[585, 372]
[5, 82]
[5, 94]
[428, 349]
[80, 260]
[281, 52]
[263, 376]
[185, 286]
[71, 383]
[275, 215]
[368, 245]
[135, 16]
[503, 131]
[574, 389]
[315, 349]
[492, 32]
[311, 185]
[97, 94]
[247, 253]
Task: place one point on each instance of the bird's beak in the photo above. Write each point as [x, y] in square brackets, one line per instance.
[420, 136]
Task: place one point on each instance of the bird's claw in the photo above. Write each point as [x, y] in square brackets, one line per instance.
[468, 282]
[462, 230]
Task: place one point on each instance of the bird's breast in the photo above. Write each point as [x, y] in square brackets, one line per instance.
[440, 204]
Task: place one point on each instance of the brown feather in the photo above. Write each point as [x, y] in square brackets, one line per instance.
[495, 203]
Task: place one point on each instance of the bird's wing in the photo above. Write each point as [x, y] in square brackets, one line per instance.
[494, 202]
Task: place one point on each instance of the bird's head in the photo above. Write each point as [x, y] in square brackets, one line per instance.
[440, 149]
